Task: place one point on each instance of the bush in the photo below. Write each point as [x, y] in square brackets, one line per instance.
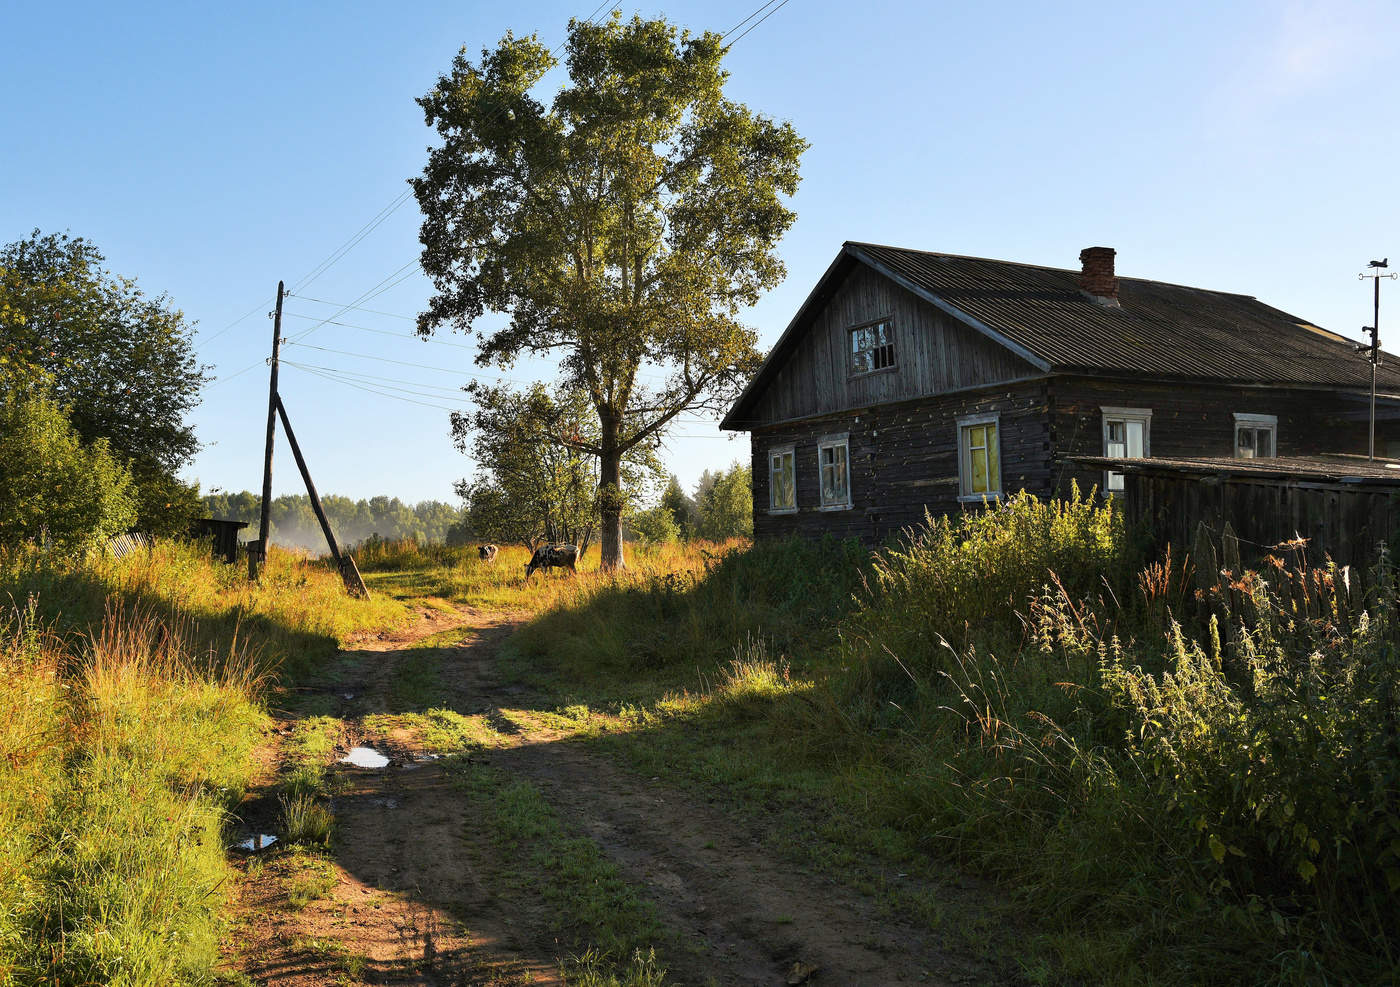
[656, 526]
[51, 485]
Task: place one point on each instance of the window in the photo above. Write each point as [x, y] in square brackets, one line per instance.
[1127, 434]
[782, 481]
[979, 457]
[1256, 436]
[833, 465]
[872, 347]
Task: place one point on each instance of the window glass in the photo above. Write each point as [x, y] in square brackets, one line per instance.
[1254, 441]
[835, 473]
[1125, 436]
[782, 480]
[872, 348]
[981, 460]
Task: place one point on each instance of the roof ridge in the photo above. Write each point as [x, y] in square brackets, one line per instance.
[1042, 267]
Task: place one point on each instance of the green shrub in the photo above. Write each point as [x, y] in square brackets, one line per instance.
[657, 525]
[51, 484]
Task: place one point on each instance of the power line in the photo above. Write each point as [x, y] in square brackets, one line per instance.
[751, 16]
[355, 238]
[372, 390]
[382, 286]
[241, 318]
[357, 308]
[383, 332]
[755, 24]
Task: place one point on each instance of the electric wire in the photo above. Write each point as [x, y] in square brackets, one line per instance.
[355, 239]
[755, 24]
[752, 15]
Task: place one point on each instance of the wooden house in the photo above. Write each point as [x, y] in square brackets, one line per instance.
[912, 381]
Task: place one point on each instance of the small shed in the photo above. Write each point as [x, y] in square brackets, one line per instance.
[1344, 506]
[224, 533]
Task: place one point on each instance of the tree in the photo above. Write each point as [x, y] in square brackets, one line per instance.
[623, 227]
[656, 525]
[725, 510]
[51, 484]
[530, 488]
[682, 508]
[121, 363]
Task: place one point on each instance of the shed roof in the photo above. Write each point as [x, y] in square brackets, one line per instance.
[1159, 329]
[1315, 469]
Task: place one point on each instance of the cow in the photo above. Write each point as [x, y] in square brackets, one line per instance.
[552, 557]
[487, 553]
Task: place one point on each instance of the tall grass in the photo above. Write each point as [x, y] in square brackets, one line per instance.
[294, 617]
[682, 608]
[1178, 785]
[123, 749]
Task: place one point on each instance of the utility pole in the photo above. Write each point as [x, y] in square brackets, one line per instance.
[1374, 329]
[257, 552]
[257, 558]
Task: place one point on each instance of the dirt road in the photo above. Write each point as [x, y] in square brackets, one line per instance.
[415, 889]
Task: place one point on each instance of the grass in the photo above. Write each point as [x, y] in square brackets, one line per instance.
[595, 907]
[1021, 693]
[125, 747]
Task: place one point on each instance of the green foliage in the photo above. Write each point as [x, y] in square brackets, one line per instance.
[724, 505]
[51, 484]
[970, 571]
[536, 479]
[121, 363]
[625, 225]
[656, 525]
[682, 507]
[113, 792]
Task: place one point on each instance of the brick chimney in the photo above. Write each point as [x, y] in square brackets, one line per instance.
[1096, 276]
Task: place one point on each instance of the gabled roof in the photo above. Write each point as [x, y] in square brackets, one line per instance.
[1160, 330]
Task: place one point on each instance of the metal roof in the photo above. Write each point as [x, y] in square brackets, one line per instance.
[1314, 469]
[1157, 330]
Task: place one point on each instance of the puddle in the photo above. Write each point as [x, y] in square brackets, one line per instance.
[256, 842]
[365, 757]
[386, 803]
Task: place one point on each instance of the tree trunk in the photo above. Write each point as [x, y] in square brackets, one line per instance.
[610, 499]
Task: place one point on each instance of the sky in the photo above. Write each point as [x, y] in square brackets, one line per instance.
[211, 150]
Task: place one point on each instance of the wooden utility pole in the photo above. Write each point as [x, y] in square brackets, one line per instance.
[257, 552]
[349, 572]
[257, 557]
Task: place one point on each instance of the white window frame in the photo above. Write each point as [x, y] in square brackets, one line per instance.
[965, 460]
[842, 441]
[851, 370]
[774, 453]
[1256, 422]
[1125, 415]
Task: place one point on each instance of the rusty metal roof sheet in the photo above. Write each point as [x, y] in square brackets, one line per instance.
[1316, 469]
[1158, 330]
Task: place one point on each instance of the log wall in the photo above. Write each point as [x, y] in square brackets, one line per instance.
[1192, 420]
[903, 460]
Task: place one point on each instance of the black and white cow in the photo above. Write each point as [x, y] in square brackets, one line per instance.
[552, 557]
[487, 553]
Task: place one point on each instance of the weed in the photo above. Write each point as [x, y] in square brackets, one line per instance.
[305, 819]
[311, 879]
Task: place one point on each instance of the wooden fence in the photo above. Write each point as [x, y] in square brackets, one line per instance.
[1342, 512]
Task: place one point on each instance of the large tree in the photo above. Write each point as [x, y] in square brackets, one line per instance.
[532, 482]
[624, 227]
[121, 362]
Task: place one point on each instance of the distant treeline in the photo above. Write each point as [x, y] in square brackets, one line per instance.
[294, 524]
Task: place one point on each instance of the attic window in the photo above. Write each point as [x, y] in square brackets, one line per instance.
[1256, 436]
[872, 348]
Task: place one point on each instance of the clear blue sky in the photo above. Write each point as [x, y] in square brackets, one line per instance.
[210, 150]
